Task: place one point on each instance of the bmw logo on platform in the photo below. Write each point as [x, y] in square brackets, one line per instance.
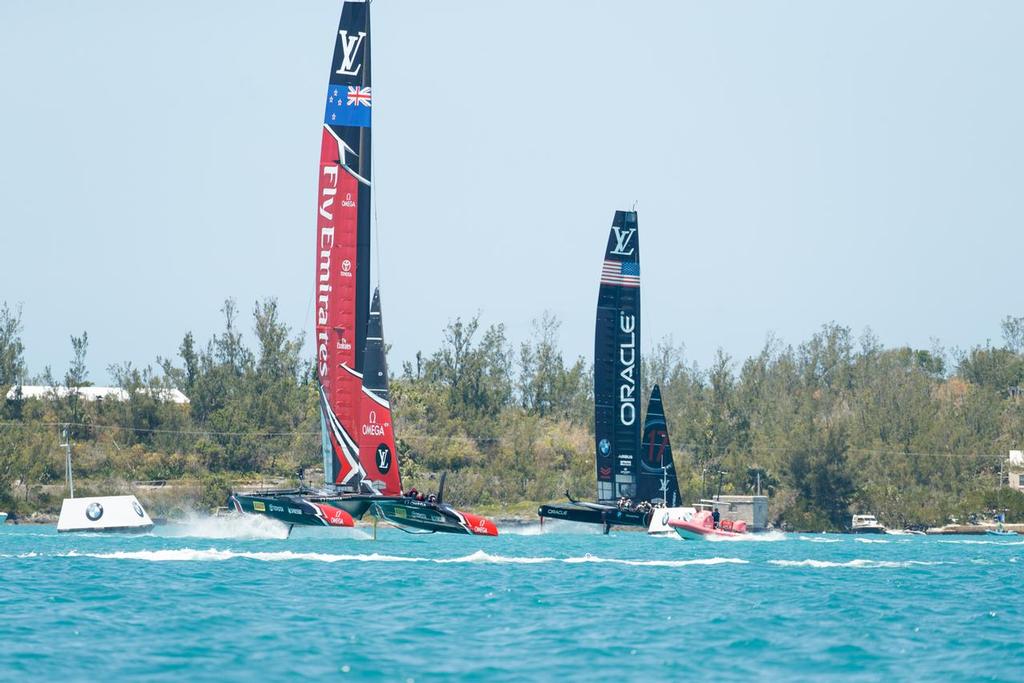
[138, 508]
[94, 511]
[604, 446]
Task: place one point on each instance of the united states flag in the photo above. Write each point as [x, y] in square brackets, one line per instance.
[624, 274]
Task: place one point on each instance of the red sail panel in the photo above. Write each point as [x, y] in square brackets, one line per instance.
[377, 453]
[337, 235]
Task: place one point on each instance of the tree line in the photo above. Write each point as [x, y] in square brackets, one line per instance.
[834, 425]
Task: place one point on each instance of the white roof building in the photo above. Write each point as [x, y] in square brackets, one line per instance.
[95, 393]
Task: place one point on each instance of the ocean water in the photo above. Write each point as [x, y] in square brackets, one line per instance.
[224, 600]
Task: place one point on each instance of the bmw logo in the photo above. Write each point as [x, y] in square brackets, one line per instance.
[604, 446]
[138, 508]
[94, 511]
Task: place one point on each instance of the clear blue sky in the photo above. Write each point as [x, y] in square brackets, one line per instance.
[794, 163]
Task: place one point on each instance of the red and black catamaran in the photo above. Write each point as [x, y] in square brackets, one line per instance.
[632, 477]
[361, 468]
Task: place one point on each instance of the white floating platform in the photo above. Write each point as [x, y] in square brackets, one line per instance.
[103, 513]
[662, 516]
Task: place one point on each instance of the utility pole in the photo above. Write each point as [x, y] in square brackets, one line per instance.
[67, 473]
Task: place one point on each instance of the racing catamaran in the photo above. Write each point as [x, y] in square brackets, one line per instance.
[361, 468]
[626, 488]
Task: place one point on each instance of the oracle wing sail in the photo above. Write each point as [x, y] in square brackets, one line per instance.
[617, 362]
[377, 453]
[343, 247]
[656, 475]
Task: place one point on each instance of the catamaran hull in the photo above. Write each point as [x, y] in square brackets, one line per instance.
[607, 517]
[294, 509]
[431, 517]
[297, 509]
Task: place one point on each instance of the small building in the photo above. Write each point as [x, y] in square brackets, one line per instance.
[94, 393]
[1015, 475]
[751, 509]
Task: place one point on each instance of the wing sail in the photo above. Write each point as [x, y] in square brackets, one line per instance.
[617, 362]
[657, 473]
[343, 244]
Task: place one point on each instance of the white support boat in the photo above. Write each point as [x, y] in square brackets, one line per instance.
[866, 524]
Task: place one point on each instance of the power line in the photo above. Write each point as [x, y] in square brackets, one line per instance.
[465, 438]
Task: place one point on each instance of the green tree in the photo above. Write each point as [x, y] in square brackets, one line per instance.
[12, 350]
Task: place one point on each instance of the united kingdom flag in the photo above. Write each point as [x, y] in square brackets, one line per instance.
[348, 106]
[359, 96]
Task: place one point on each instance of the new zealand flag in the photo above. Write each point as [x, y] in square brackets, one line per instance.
[348, 105]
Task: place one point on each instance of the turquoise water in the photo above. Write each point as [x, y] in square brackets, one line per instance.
[221, 599]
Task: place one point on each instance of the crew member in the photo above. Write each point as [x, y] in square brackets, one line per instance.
[715, 516]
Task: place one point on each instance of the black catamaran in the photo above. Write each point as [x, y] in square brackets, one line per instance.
[625, 494]
[361, 467]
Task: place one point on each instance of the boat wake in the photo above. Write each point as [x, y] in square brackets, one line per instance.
[486, 558]
[255, 527]
[532, 529]
[478, 557]
[657, 563]
[856, 564]
[214, 555]
[971, 541]
[820, 539]
[553, 526]
[766, 537]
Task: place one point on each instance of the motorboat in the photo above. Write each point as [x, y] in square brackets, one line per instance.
[866, 524]
[702, 527]
[999, 530]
